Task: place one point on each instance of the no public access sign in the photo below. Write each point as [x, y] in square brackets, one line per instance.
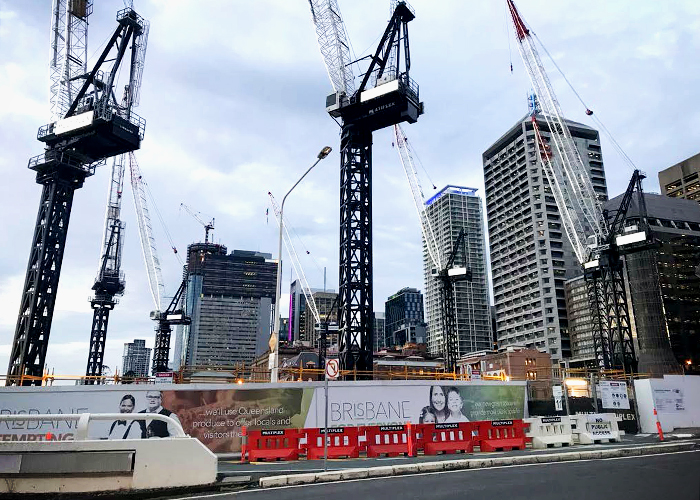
[332, 369]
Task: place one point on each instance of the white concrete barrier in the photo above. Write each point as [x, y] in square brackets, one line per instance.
[550, 431]
[596, 428]
[85, 465]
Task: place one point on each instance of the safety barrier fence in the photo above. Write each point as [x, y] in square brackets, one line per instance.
[429, 439]
[382, 440]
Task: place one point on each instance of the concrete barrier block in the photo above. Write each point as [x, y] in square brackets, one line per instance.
[324, 477]
[431, 466]
[381, 471]
[359, 473]
[273, 481]
[301, 478]
[405, 469]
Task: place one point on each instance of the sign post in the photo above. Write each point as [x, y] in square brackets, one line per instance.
[332, 372]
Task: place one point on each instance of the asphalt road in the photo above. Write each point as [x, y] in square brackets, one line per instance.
[657, 477]
[261, 469]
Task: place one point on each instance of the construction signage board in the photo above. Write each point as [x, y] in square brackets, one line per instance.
[600, 426]
[669, 400]
[164, 378]
[558, 393]
[614, 395]
[215, 413]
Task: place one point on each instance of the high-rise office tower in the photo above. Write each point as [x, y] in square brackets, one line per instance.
[452, 209]
[324, 302]
[378, 331]
[531, 257]
[682, 180]
[296, 329]
[404, 321]
[229, 298]
[136, 359]
[581, 320]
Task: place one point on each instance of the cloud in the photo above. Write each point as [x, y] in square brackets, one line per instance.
[234, 98]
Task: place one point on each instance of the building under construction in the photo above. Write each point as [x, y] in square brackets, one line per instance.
[229, 298]
[675, 225]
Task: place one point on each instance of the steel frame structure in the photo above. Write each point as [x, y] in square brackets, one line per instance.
[355, 282]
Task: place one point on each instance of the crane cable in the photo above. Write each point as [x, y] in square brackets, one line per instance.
[510, 53]
[162, 222]
[589, 112]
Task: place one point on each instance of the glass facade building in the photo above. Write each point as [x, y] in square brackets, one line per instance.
[452, 209]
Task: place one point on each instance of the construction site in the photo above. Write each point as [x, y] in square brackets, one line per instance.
[497, 315]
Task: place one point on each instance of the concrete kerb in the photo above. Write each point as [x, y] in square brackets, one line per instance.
[477, 463]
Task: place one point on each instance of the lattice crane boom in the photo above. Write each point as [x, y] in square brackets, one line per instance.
[148, 242]
[208, 226]
[69, 33]
[568, 177]
[406, 156]
[296, 264]
[334, 45]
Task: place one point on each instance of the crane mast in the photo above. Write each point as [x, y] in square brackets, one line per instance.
[385, 96]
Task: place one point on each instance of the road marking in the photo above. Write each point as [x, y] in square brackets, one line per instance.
[451, 472]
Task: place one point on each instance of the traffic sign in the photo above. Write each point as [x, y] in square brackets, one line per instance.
[332, 369]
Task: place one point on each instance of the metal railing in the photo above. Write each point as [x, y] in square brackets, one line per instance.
[84, 420]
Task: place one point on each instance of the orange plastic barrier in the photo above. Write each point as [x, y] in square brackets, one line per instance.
[446, 438]
[389, 440]
[273, 444]
[500, 435]
[342, 442]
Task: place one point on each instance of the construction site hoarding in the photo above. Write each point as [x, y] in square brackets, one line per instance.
[215, 414]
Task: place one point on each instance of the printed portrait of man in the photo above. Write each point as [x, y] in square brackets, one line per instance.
[157, 428]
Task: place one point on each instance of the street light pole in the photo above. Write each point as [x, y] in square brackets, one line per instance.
[274, 340]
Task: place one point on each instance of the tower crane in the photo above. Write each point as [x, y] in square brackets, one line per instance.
[443, 270]
[599, 238]
[208, 226]
[110, 281]
[385, 96]
[173, 314]
[88, 126]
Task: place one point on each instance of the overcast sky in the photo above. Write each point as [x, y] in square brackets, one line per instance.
[234, 92]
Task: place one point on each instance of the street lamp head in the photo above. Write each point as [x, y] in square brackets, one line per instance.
[324, 152]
